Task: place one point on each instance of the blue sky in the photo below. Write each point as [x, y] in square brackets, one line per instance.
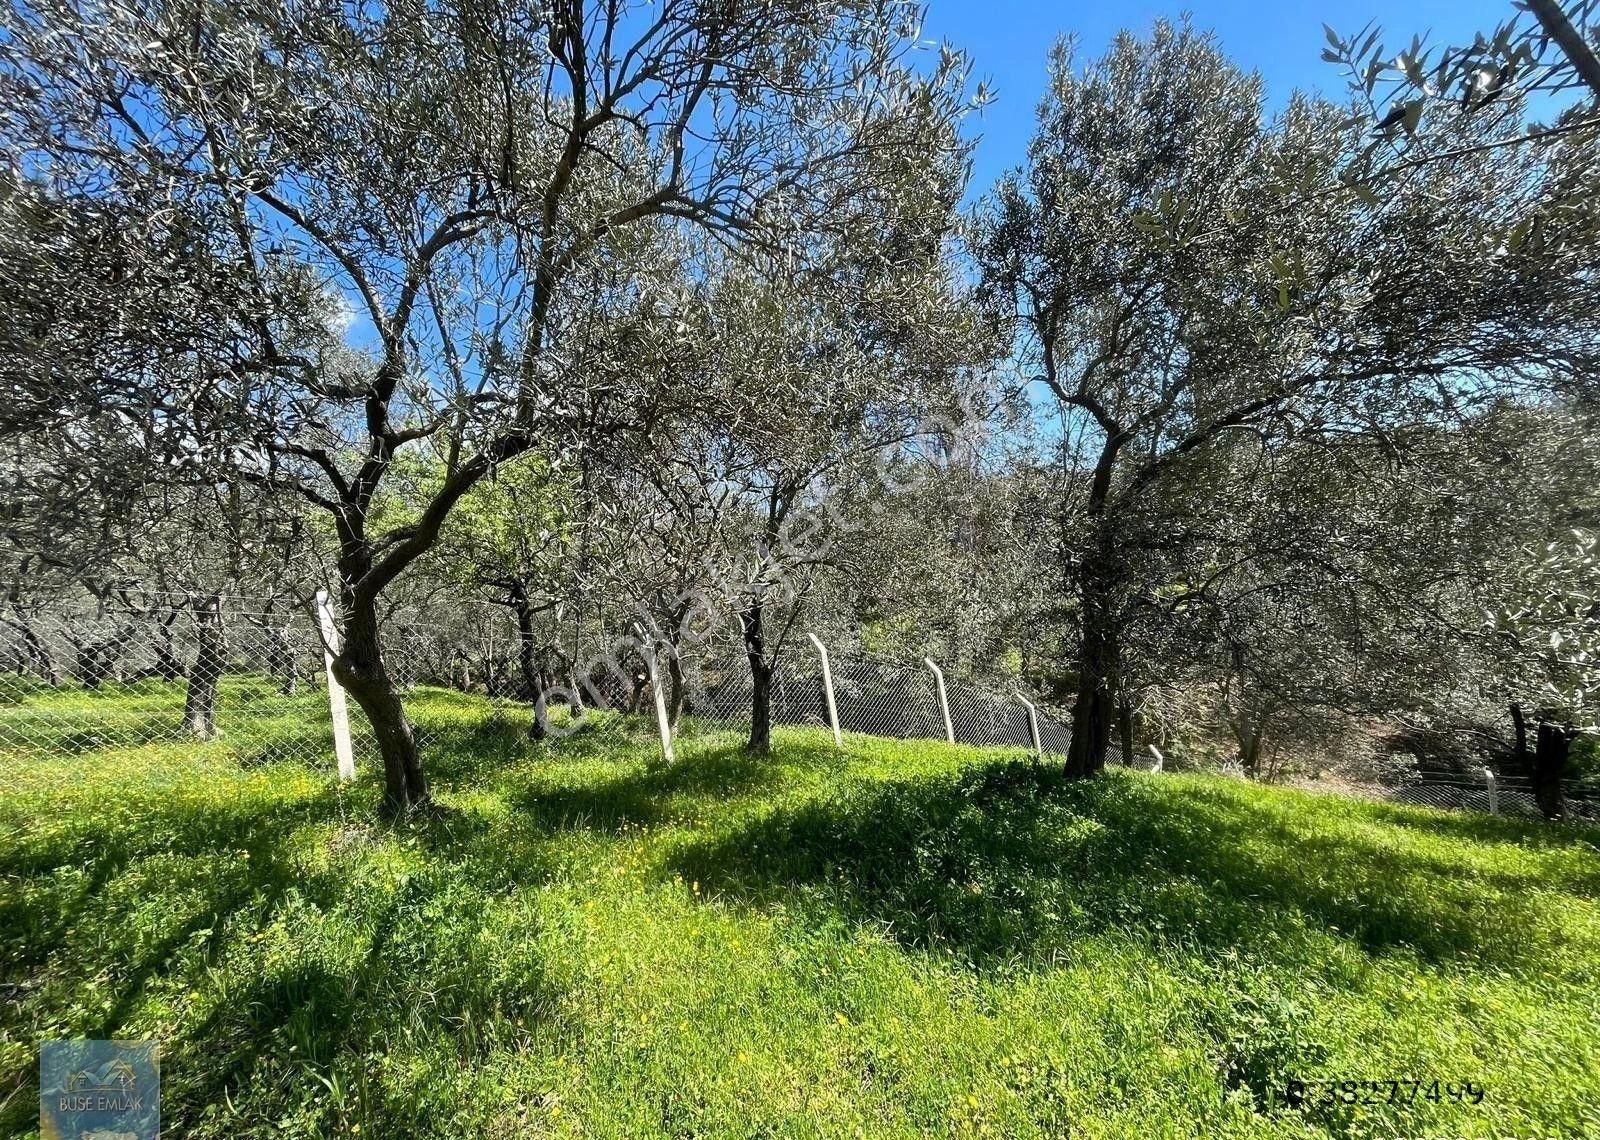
[1008, 42]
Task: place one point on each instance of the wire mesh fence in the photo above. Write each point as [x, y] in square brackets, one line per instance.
[1500, 793]
[248, 676]
[136, 672]
[872, 697]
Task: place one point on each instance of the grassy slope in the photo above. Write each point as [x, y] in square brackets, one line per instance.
[910, 939]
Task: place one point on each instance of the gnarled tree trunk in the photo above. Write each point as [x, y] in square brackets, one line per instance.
[675, 688]
[200, 699]
[755, 648]
[1551, 747]
[360, 668]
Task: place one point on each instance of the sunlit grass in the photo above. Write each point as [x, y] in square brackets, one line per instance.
[906, 939]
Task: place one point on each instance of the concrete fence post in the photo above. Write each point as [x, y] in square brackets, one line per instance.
[827, 690]
[944, 700]
[1494, 792]
[1160, 759]
[338, 706]
[663, 725]
[1033, 726]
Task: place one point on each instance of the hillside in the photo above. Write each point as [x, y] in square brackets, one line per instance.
[907, 939]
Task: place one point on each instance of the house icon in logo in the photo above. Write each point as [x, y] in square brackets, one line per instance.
[117, 1077]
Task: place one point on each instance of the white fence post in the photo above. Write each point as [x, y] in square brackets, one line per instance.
[338, 707]
[1494, 792]
[1033, 725]
[660, 701]
[1160, 759]
[827, 690]
[944, 701]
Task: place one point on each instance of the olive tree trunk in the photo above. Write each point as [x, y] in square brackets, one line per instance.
[534, 685]
[200, 699]
[1546, 764]
[1551, 748]
[1095, 708]
[360, 668]
[1125, 729]
[755, 648]
[675, 687]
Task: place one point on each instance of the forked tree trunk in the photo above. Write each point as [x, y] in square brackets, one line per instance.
[360, 668]
[200, 699]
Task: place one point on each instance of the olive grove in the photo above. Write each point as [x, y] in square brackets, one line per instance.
[681, 327]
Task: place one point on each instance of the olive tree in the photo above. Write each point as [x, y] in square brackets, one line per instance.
[1182, 268]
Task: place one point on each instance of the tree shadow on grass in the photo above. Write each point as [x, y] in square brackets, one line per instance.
[210, 883]
[244, 870]
[416, 973]
[653, 794]
[645, 796]
[1011, 860]
[36, 920]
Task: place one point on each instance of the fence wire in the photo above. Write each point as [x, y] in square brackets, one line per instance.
[1512, 794]
[247, 675]
[872, 696]
[128, 675]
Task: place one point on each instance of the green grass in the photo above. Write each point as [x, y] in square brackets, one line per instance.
[907, 939]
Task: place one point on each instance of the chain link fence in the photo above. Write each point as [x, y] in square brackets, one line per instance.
[871, 696]
[1498, 793]
[134, 672]
[248, 677]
